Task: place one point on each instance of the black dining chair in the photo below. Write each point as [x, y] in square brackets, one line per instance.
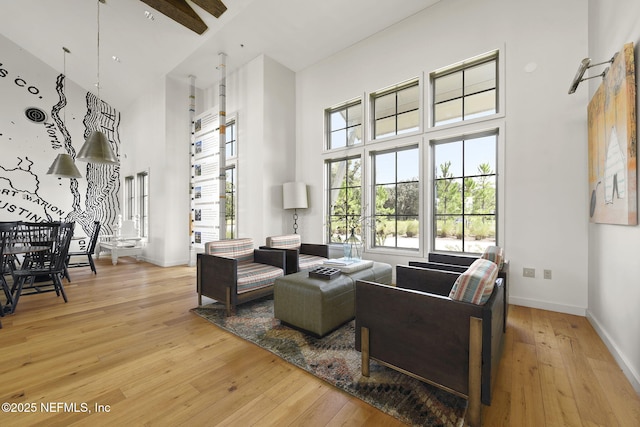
[5, 232]
[42, 271]
[88, 252]
[9, 260]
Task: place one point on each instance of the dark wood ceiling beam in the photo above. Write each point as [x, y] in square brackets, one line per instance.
[214, 7]
[179, 11]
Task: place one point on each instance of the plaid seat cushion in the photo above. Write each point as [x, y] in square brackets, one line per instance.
[307, 262]
[253, 276]
[476, 284]
[240, 249]
[287, 241]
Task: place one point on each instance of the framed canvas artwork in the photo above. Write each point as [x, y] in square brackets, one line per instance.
[613, 144]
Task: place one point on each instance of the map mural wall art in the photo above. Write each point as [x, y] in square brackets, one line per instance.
[35, 128]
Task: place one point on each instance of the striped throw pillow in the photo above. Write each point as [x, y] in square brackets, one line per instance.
[494, 254]
[476, 284]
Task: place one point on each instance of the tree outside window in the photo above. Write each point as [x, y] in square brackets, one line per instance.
[465, 195]
[397, 198]
[345, 198]
[231, 202]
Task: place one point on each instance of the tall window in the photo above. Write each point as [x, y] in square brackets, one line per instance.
[396, 111]
[345, 198]
[465, 196]
[344, 125]
[129, 198]
[231, 139]
[465, 91]
[231, 206]
[397, 198]
[143, 203]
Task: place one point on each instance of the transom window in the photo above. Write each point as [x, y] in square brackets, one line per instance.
[345, 198]
[344, 125]
[397, 198]
[231, 139]
[466, 91]
[396, 111]
[465, 196]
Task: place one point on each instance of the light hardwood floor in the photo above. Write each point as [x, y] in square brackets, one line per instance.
[127, 342]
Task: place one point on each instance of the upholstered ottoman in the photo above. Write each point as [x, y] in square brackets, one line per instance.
[319, 306]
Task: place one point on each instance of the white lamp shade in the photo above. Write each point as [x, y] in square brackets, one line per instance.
[294, 195]
[64, 167]
[97, 149]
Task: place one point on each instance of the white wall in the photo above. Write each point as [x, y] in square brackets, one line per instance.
[143, 134]
[156, 139]
[614, 270]
[176, 181]
[545, 161]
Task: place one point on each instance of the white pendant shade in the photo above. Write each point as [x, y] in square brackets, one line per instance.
[64, 167]
[97, 149]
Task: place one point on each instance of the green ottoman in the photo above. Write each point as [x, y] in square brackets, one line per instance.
[319, 306]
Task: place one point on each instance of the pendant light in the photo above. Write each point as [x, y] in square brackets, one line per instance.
[63, 166]
[97, 148]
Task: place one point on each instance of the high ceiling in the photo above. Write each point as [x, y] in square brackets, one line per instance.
[296, 33]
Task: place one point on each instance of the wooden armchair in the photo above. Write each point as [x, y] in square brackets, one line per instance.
[460, 263]
[417, 329]
[233, 272]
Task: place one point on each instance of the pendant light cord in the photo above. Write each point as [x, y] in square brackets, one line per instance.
[98, 73]
[64, 84]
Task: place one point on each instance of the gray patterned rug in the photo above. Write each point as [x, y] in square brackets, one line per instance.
[335, 360]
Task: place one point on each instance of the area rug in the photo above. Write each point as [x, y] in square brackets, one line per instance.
[335, 360]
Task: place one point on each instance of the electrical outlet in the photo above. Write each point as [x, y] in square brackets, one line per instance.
[529, 272]
[547, 274]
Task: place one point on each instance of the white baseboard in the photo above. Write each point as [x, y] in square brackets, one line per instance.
[627, 369]
[545, 305]
[159, 263]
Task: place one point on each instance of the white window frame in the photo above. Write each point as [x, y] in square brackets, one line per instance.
[385, 91]
[329, 130]
[372, 208]
[495, 122]
[422, 137]
[327, 168]
[129, 197]
[499, 56]
[232, 163]
[496, 215]
[232, 125]
[143, 186]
